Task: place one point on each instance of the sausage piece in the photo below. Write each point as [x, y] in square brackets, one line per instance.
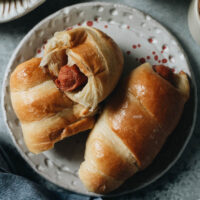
[70, 78]
[165, 72]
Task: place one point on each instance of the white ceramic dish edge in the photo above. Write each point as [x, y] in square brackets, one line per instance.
[26, 11]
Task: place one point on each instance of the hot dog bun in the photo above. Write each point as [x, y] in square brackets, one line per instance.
[46, 114]
[96, 55]
[58, 96]
[141, 114]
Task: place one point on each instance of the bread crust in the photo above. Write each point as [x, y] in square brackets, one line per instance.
[140, 115]
[26, 75]
[95, 54]
[46, 114]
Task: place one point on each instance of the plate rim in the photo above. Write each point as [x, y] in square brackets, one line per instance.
[193, 80]
[26, 11]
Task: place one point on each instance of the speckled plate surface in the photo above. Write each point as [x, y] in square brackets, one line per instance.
[13, 9]
[142, 39]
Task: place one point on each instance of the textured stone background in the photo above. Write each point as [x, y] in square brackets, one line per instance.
[182, 182]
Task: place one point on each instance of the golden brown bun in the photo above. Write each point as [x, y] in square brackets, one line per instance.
[141, 114]
[45, 113]
[95, 54]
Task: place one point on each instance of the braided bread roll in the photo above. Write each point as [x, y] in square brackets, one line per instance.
[45, 113]
[133, 127]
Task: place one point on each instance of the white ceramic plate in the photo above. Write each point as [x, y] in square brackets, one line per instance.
[13, 9]
[142, 39]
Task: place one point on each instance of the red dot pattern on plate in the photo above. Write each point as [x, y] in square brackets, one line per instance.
[39, 51]
[164, 60]
[142, 60]
[96, 19]
[153, 52]
[150, 40]
[148, 57]
[164, 47]
[106, 26]
[159, 61]
[134, 46]
[139, 45]
[128, 52]
[162, 51]
[128, 27]
[89, 23]
[79, 24]
[155, 57]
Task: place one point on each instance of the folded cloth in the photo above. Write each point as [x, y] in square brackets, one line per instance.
[15, 187]
[4, 166]
[19, 188]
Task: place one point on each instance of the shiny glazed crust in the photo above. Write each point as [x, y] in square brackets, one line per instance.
[140, 115]
[96, 55]
[45, 113]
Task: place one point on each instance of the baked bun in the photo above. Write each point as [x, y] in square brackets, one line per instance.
[138, 118]
[94, 54]
[46, 114]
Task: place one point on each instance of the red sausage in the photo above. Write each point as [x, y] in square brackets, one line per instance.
[70, 78]
[165, 72]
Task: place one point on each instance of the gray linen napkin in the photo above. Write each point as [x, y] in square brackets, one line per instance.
[18, 187]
